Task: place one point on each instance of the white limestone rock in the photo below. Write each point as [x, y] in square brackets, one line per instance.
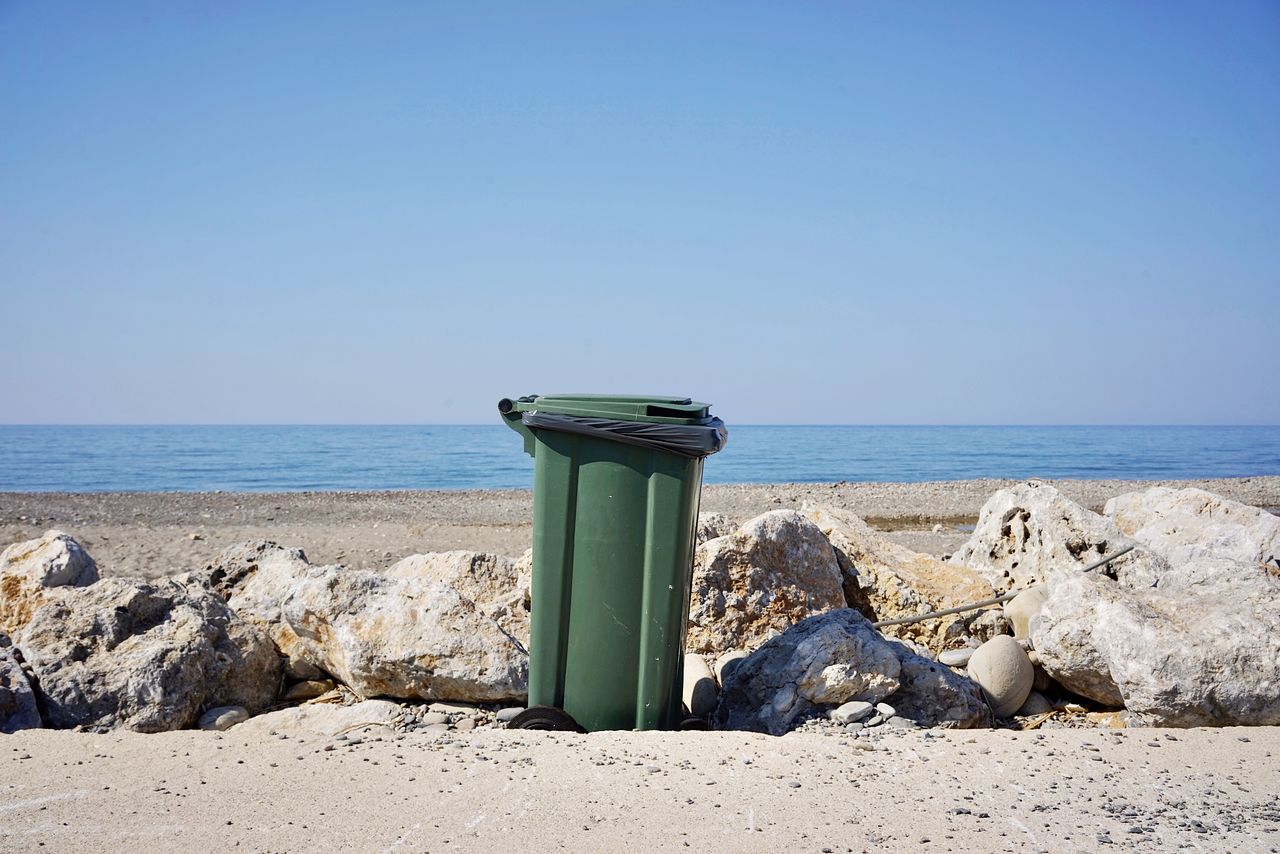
[773, 572]
[498, 585]
[1185, 526]
[30, 571]
[1027, 531]
[144, 656]
[885, 580]
[712, 525]
[1198, 647]
[403, 635]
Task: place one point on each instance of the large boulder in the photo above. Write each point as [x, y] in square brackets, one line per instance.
[30, 570]
[712, 525]
[1028, 531]
[403, 635]
[254, 578]
[18, 709]
[833, 658]
[773, 572]
[498, 585]
[375, 646]
[885, 580]
[1188, 525]
[934, 695]
[146, 657]
[1200, 646]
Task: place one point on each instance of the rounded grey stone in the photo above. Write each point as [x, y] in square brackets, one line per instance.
[955, 657]
[854, 710]
[223, 718]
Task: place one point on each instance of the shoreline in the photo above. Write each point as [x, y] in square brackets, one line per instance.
[153, 534]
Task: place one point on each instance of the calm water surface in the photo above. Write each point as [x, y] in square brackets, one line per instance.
[288, 458]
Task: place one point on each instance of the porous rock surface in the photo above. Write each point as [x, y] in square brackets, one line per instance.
[498, 585]
[406, 636]
[1188, 525]
[1026, 532]
[1199, 647]
[29, 571]
[830, 659]
[255, 578]
[771, 573]
[441, 626]
[712, 525]
[885, 580]
[147, 657]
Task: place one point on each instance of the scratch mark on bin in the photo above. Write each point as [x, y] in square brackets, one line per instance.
[614, 616]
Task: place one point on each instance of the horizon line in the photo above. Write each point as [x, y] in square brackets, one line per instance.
[242, 424]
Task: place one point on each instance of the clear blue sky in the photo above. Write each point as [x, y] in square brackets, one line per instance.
[801, 212]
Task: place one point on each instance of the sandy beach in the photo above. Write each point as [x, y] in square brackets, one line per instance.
[995, 790]
[157, 534]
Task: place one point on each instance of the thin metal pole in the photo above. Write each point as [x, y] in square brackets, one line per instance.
[960, 609]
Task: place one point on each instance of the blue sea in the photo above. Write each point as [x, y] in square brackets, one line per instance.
[292, 458]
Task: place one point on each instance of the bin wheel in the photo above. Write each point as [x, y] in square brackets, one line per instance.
[694, 724]
[545, 718]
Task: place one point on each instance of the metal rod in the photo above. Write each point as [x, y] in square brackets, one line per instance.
[945, 611]
[1106, 560]
[973, 606]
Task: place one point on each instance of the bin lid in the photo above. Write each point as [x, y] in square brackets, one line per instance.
[655, 408]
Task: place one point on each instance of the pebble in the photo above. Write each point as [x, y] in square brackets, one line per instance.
[886, 710]
[854, 710]
[223, 718]
[308, 690]
[874, 720]
[508, 714]
[955, 657]
[451, 708]
[1035, 704]
[901, 722]
[434, 718]
[465, 724]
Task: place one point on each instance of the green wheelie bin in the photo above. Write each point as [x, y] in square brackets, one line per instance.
[615, 508]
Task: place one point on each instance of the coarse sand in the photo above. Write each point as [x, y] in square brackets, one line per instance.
[494, 790]
[157, 534]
